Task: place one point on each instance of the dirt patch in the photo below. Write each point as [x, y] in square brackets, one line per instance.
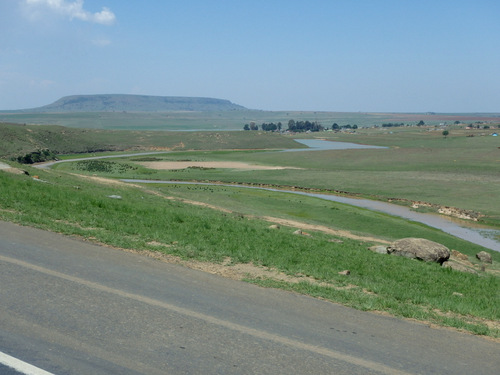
[237, 271]
[8, 168]
[172, 165]
[321, 228]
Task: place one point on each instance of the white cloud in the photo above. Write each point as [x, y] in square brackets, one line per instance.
[75, 10]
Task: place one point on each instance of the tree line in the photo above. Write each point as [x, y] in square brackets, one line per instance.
[35, 157]
[312, 126]
[293, 126]
[391, 124]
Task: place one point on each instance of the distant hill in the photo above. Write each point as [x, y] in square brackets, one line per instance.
[135, 103]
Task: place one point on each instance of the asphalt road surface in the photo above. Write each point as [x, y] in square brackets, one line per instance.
[70, 307]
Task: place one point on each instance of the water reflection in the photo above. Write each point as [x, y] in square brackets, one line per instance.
[322, 145]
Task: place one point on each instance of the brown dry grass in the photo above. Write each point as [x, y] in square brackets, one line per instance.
[173, 165]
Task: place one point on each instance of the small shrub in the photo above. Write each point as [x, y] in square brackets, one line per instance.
[103, 166]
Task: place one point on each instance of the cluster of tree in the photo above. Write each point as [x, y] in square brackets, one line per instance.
[271, 127]
[36, 157]
[293, 126]
[252, 126]
[390, 124]
[481, 127]
[336, 126]
[303, 126]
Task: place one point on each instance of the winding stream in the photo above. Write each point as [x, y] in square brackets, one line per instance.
[432, 220]
[482, 237]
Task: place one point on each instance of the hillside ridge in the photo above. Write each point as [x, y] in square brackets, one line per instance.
[135, 103]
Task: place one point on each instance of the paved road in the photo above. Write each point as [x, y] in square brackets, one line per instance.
[69, 307]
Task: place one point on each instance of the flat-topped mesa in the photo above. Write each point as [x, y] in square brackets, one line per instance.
[136, 103]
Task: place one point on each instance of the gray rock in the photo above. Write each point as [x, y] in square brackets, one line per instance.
[457, 266]
[484, 257]
[421, 249]
[378, 249]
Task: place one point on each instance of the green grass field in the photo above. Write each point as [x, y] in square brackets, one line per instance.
[418, 165]
[227, 120]
[144, 219]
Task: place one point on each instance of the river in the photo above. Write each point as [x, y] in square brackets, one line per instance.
[322, 145]
[482, 237]
[478, 236]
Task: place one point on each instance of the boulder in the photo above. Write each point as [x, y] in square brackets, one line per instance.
[458, 266]
[421, 249]
[484, 257]
[459, 255]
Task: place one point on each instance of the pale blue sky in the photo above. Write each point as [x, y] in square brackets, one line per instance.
[336, 55]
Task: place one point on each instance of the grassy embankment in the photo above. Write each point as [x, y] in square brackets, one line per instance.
[16, 140]
[144, 220]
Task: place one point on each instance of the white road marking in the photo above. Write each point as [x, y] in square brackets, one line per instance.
[21, 366]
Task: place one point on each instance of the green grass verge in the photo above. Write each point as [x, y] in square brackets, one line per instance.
[142, 220]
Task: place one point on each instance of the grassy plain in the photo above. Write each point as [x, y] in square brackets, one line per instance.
[227, 120]
[418, 165]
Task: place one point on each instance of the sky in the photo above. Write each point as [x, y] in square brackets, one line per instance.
[312, 55]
